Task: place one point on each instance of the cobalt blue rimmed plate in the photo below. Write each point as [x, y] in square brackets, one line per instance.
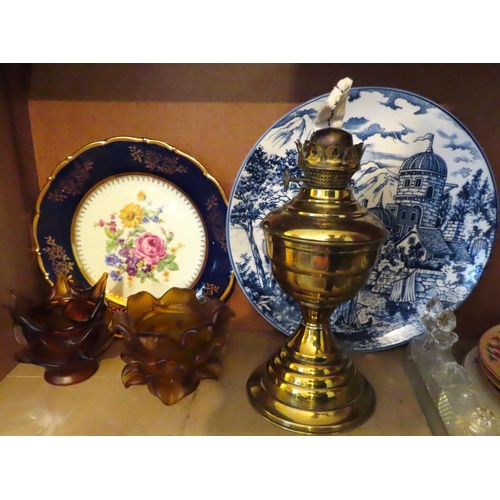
[146, 213]
[426, 178]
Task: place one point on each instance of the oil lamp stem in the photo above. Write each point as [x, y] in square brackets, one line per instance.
[314, 337]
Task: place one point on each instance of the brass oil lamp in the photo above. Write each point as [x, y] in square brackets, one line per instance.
[322, 245]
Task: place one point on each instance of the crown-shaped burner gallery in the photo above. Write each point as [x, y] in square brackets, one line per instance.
[329, 158]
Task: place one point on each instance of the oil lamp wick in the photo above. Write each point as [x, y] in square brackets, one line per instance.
[332, 114]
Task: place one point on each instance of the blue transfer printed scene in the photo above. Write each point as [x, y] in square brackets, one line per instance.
[422, 174]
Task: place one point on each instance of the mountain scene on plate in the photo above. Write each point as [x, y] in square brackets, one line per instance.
[372, 182]
[297, 128]
[422, 174]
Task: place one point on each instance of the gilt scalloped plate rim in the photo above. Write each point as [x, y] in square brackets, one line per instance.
[286, 117]
[493, 370]
[227, 288]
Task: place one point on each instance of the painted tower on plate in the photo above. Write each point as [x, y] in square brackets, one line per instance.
[414, 215]
[422, 185]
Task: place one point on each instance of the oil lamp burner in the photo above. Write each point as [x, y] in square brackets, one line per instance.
[322, 246]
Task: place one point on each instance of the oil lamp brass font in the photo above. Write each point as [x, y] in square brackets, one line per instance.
[322, 246]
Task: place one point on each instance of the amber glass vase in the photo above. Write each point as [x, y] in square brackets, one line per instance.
[66, 333]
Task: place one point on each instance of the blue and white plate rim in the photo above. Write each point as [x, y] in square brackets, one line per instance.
[324, 97]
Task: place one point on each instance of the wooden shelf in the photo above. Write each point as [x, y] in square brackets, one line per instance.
[102, 406]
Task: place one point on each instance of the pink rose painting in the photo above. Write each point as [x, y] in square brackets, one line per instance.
[132, 251]
[150, 248]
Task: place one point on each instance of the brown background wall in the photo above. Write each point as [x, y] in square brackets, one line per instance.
[18, 192]
[216, 113]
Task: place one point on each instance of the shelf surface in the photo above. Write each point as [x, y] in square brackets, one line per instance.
[102, 406]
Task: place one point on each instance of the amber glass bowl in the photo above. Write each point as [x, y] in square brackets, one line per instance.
[66, 332]
[171, 343]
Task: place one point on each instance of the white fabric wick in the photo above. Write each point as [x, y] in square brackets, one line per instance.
[338, 91]
[332, 115]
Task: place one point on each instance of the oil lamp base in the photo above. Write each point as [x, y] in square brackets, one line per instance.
[305, 400]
